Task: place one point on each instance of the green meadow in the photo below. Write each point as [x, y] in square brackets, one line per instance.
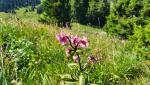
[30, 54]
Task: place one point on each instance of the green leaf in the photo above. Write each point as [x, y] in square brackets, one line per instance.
[68, 83]
[81, 80]
[73, 65]
[66, 77]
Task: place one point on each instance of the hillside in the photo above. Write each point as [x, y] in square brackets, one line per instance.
[32, 55]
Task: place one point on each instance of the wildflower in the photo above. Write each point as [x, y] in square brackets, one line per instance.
[84, 42]
[63, 38]
[75, 40]
[76, 59]
[68, 51]
[91, 59]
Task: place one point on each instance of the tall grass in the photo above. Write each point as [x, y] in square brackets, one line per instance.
[30, 55]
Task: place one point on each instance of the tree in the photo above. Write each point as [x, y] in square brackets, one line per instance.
[91, 12]
[57, 11]
[125, 14]
[80, 12]
[97, 12]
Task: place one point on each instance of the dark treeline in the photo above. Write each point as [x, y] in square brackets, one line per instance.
[91, 12]
[7, 5]
[87, 12]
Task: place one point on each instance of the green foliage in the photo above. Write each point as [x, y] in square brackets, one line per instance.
[130, 20]
[25, 56]
[125, 14]
[57, 12]
[118, 61]
[141, 40]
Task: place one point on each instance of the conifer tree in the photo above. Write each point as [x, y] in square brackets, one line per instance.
[97, 12]
[57, 11]
[81, 8]
[124, 15]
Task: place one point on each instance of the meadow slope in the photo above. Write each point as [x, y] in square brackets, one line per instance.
[31, 54]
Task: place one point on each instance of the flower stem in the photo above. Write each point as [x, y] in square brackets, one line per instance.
[75, 51]
[70, 43]
[79, 63]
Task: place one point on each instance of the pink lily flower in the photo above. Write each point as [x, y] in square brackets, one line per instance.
[62, 38]
[75, 40]
[84, 42]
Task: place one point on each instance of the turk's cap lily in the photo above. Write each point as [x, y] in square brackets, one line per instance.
[79, 42]
[75, 40]
[84, 42]
[62, 38]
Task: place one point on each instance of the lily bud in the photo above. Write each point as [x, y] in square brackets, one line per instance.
[75, 59]
[68, 52]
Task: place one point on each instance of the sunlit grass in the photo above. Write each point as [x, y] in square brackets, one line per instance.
[118, 63]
